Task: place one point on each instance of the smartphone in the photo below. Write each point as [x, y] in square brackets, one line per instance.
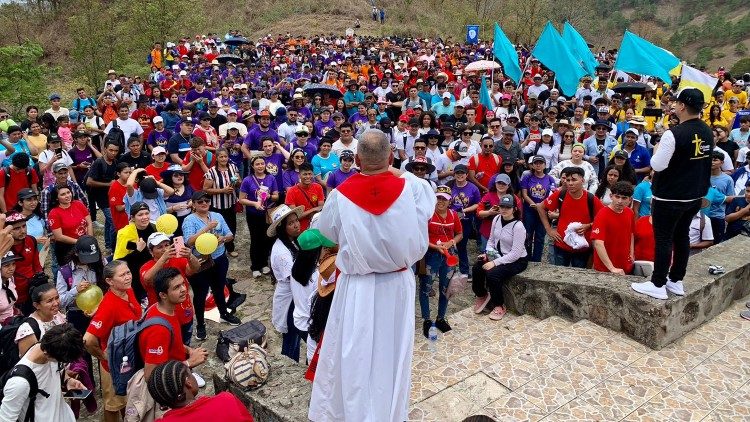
[487, 205]
[179, 243]
[131, 246]
[76, 394]
[58, 152]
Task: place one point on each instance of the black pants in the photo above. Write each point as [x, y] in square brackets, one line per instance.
[215, 278]
[230, 216]
[291, 340]
[718, 227]
[494, 279]
[671, 231]
[260, 243]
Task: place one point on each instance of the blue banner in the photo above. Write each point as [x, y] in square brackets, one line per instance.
[472, 34]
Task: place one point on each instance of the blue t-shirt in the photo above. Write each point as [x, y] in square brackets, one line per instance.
[193, 224]
[353, 96]
[735, 227]
[724, 184]
[715, 199]
[643, 194]
[179, 145]
[323, 166]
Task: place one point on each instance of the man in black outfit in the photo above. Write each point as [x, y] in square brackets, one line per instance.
[682, 162]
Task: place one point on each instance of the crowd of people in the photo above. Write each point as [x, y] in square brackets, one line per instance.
[285, 123]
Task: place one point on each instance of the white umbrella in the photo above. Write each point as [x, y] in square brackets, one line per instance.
[481, 65]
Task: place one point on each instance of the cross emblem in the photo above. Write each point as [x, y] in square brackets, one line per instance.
[698, 144]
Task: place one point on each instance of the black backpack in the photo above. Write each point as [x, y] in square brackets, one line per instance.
[115, 135]
[26, 373]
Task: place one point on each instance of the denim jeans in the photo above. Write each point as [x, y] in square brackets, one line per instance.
[291, 340]
[534, 233]
[436, 265]
[671, 221]
[109, 229]
[467, 227]
[571, 259]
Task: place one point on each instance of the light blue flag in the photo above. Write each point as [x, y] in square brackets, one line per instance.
[506, 54]
[484, 95]
[637, 55]
[579, 48]
[552, 51]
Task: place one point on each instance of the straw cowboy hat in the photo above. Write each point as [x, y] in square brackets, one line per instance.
[279, 214]
[327, 275]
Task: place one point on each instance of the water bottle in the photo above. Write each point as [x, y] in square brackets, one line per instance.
[432, 337]
[125, 366]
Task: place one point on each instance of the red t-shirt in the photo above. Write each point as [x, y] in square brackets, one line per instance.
[486, 223]
[183, 311]
[208, 407]
[443, 229]
[113, 311]
[156, 345]
[18, 180]
[152, 170]
[295, 197]
[616, 230]
[196, 172]
[487, 164]
[644, 248]
[26, 267]
[117, 192]
[72, 220]
[572, 210]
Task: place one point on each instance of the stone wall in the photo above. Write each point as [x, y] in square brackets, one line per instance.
[545, 290]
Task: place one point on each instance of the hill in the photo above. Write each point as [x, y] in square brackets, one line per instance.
[86, 37]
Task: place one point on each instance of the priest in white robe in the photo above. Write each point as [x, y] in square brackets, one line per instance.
[379, 220]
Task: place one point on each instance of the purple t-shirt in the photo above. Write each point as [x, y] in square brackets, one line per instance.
[78, 157]
[337, 177]
[194, 95]
[274, 167]
[252, 139]
[322, 127]
[251, 185]
[465, 196]
[309, 149]
[159, 139]
[289, 179]
[539, 187]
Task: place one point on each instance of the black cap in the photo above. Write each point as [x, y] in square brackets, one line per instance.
[186, 120]
[200, 195]
[87, 249]
[148, 188]
[692, 97]
[10, 257]
[460, 168]
[26, 193]
[621, 154]
[137, 207]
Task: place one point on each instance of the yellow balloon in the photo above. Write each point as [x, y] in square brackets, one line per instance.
[206, 243]
[89, 299]
[166, 223]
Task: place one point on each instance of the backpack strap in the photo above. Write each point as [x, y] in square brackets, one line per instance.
[702, 225]
[590, 203]
[150, 322]
[25, 372]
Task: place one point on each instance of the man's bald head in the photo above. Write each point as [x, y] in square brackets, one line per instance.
[373, 151]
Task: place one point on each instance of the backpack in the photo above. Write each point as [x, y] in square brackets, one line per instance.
[589, 202]
[115, 135]
[8, 348]
[233, 341]
[26, 373]
[29, 176]
[78, 103]
[123, 342]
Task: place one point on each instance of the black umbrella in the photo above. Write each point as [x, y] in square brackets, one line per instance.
[312, 89]
[236, 41]
[226, 58]
[631, 88]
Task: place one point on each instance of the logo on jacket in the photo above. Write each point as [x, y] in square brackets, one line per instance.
[158, 351]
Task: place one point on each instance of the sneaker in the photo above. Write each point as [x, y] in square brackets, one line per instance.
[426, 328]
[745, 314]
[230, 319]
[648, 288]
[675, 287]
[497, 313]
[200, 332]
[480, 303]
[266, 270]
[256, 274]
[442, 325]
[199, 380]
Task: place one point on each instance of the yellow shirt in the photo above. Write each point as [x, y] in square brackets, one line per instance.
[728, 116]
[741, 97]
[720, 122]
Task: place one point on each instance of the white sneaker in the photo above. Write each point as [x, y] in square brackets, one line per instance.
[266, 270]
[199, 379]
[675, 287]
[256, 274]
[648, 288]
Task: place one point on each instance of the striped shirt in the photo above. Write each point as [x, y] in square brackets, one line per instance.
[222, 179]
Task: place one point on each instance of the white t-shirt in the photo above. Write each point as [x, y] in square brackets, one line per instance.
[339, 146]
[129, 127]
[695, 228]
[288, 131]
[52, 408]
[62, 111]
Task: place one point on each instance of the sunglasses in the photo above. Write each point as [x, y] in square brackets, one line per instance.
[300, 157]
[303, 135]
[467, 133]
[419, 168]
[568, 136]
[203, 201]
[488, 146]
[494, 126]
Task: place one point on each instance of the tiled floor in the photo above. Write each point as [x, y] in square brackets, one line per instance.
[524, 369]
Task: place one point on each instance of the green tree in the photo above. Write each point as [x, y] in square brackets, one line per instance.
[742, 66]
[704, 56]
[23, 78]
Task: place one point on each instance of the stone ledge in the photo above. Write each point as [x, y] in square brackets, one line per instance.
[545, 290]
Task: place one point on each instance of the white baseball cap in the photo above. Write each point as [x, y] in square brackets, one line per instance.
[158, 150]
[158, 119]
[155, 238]
[183, 73]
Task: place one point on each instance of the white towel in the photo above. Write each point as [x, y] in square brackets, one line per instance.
[573, 239]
